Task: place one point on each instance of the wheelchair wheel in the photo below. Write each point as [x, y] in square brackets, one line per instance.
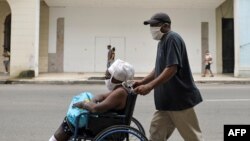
[120, 133]
[137, 125]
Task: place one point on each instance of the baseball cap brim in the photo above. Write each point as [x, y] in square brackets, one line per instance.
[151, 22]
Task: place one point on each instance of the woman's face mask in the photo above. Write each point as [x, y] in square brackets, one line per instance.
[110, 85]
[156, 32]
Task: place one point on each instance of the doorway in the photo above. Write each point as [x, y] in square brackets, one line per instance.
[227, 45]
[7, 32]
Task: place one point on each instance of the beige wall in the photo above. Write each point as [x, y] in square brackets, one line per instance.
[5, 10]
[225, 10]
[44, 32]
[86, 36]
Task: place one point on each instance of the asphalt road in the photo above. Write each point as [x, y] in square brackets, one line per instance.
[33, 112]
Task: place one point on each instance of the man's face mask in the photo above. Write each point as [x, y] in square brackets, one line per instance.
[156, 32]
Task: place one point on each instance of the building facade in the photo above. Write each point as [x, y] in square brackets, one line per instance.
[72, 36]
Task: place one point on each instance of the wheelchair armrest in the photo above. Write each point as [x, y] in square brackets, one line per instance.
[107, 115]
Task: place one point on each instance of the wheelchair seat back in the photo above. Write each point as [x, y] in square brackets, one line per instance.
[130, 105]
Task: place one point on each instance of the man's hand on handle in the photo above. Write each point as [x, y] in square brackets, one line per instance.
[141, 89]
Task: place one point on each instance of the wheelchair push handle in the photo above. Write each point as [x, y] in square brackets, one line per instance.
[128, 85]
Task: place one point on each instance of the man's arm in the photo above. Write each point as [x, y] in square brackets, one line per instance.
[167, 73]
[163, 77]
[149, 77]
[145, 80]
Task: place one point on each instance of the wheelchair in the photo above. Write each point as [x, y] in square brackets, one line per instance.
[125, 127]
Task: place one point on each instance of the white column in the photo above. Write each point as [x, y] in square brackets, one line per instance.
[24, 36]
[242, 40]
[236, 38]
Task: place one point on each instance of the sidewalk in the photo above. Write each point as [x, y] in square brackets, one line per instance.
[97, 78]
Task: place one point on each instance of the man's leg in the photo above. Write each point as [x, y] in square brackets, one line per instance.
[5, 66]
[8, 66]
[211, 73]
[187, 124]
[161, 127]
[205, 72]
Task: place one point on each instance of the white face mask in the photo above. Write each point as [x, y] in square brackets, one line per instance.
[156, 33]
[111, 85]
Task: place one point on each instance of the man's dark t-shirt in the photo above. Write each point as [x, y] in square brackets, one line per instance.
[179, 92]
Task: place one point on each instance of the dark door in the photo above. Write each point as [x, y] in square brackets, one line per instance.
[228, 45]
[7, 32]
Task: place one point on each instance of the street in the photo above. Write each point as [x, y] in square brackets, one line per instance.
[33, 112]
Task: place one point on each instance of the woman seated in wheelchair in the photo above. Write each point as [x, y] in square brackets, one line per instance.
[115, 101]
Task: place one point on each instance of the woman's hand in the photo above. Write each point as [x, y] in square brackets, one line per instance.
[79, 105]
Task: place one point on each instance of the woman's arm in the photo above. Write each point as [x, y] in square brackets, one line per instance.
[100, 98]
[115, 100]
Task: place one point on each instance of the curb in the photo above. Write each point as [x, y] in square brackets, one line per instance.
[222, 82]
[92, 81]
[55, 82]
